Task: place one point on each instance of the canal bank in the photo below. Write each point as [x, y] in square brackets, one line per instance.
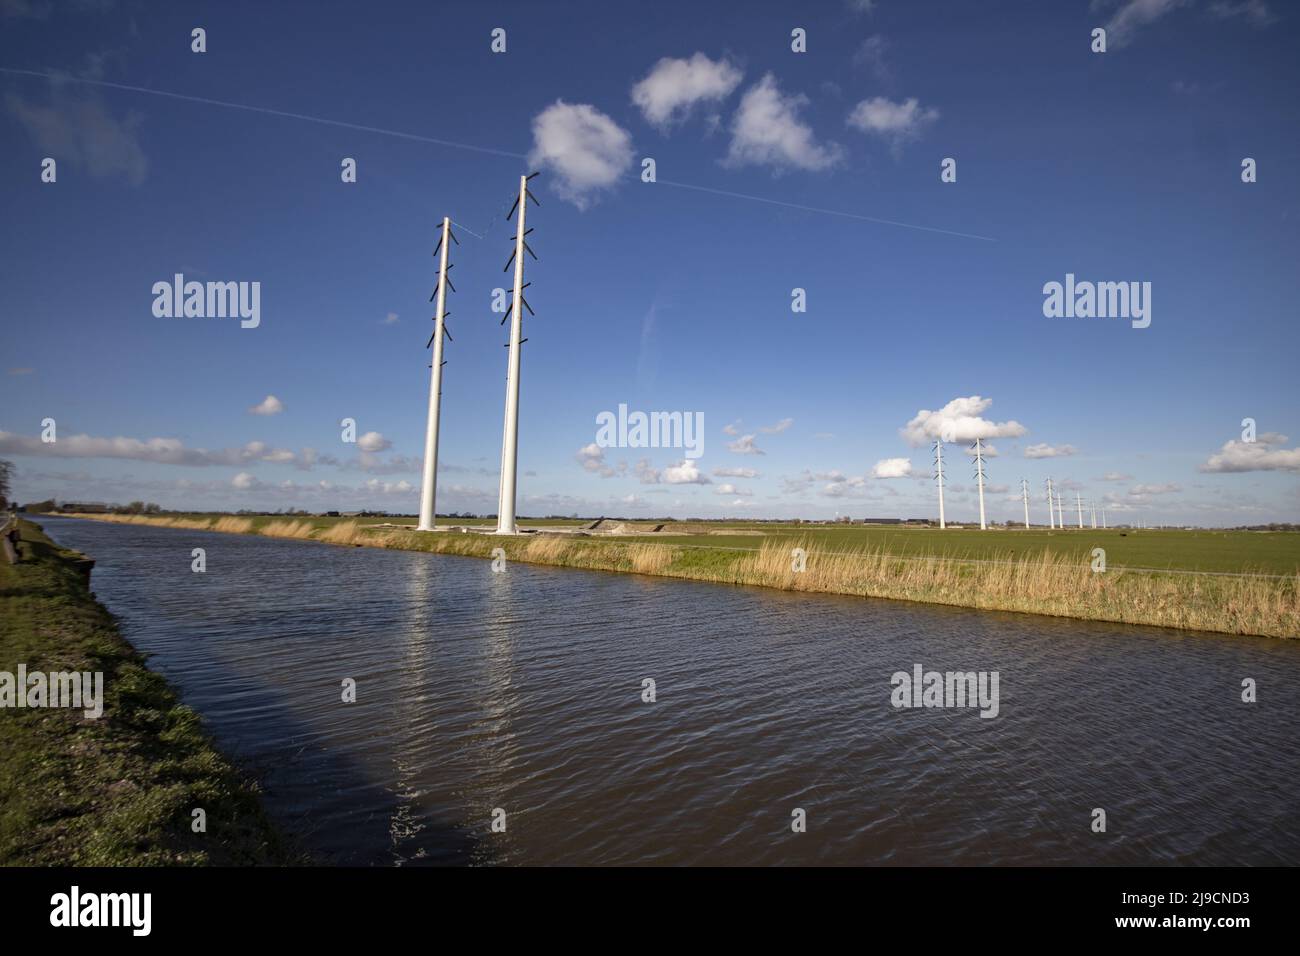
[1044, 584]
[112, 778]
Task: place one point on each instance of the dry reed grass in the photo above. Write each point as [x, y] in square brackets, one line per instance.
[287, 529]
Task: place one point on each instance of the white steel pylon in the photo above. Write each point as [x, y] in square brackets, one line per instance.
[510, 437]
[429, 486]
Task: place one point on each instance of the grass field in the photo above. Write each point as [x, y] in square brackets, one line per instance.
[1229, 582]
[118, 790]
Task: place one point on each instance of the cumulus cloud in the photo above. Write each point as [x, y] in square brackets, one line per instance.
[673, 87]
[592, 458]
[839, 485]
[1257, 455]
[892, 468]
[767, 131]
[583, 148]
[896, 123]
[390, 319]
[1043, 450]
[732, 429]
[958, 421]
[1116, 476]
[735, 473]
[685, 472]
[267, 406]
[372, 442]
[744, 445]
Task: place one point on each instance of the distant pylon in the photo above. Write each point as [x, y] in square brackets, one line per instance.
[1078, 501]
[1051, 506]
[979, 475]
[1024, 497]
[1060, 513]
[938, 476]
[1103, 517]
[1093, 505]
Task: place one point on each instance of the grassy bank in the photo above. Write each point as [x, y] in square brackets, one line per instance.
[120, 789]
[1037, 581]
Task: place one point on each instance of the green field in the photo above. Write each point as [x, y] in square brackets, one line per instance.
[1268, 552]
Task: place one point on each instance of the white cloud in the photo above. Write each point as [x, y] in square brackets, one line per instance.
[592, 458]
[267, 406]
[779, 427]
[585, 149]
[767, 131]
[744, 445]
[892, 468]
[166, 451]
[730, 489]
[1116, 476]
[685, 472]
[244, 481]
[672, 88]
[390, 319]
[839, 485]
[1133, 15]
[735, 473]
[732, 429]
[1043, 450]
[1258, 455]
[958, 421]
[894, 122]
[372, 442]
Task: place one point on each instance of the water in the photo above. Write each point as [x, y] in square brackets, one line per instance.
[522, 691]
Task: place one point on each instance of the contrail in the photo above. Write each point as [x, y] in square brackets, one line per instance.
[825, 212]
[415, 137]
[269, 112]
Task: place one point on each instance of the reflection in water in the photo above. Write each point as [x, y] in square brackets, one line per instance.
[417, 635]
[521, 690]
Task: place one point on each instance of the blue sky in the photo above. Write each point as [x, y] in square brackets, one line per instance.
[668, 296]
